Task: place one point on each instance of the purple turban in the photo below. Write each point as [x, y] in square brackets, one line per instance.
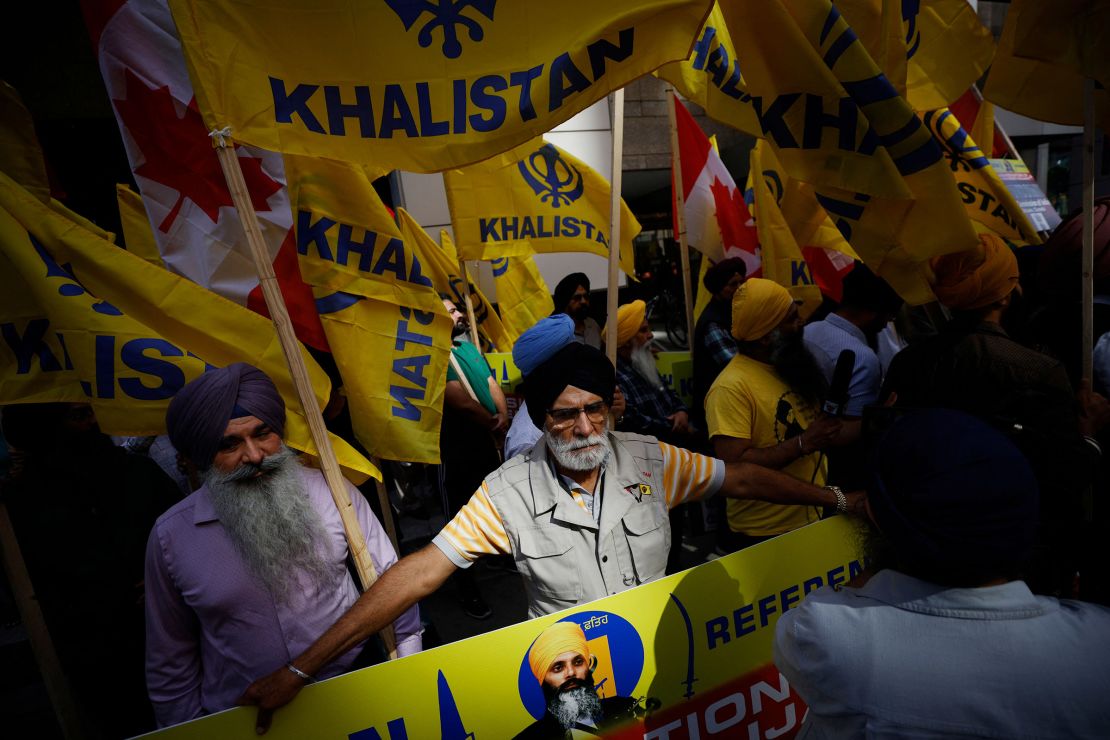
[199, 413]
[956, 499]
[544, 339]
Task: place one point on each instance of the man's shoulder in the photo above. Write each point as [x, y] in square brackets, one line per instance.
[182, 512]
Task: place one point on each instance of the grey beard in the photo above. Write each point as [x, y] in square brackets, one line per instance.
[566, 457]
[643, 362]
[574, 705]
[271, 522]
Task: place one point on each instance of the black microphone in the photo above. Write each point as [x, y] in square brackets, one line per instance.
[837, 399]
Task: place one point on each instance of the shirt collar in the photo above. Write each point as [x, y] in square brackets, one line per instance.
[203, 511]
[844, 324]
[1011, 600]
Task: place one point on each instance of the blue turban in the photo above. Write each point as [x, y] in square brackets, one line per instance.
[954, 497]
[199, 413]
[543, 340]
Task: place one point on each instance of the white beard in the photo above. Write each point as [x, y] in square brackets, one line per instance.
[568, 458]
[271, 522]
[643, 362]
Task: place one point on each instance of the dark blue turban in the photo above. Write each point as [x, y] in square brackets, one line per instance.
[575, 364]
[953, 496]
[199, 413]
[545, 338]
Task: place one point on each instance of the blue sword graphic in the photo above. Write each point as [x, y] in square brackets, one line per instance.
[450, 721]
[690, 677]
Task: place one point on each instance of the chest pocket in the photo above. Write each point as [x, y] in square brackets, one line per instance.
[649, 539]
[547, 561]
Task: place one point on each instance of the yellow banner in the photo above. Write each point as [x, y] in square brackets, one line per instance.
[383, 318]
[129, 356]
[988, 202]
[137, 236]
[694, 648]
[782, 256]
[415, 85]
[948, 50]
[522, 295]
[1042, 55]
[537, 198]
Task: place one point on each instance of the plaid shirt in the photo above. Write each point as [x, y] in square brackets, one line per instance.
[648, 408]
[720, 345]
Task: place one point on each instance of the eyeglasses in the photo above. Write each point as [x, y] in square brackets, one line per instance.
[563, 418]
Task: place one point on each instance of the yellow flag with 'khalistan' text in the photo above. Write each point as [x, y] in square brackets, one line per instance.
[137, 236]
[416, 85]
[522, 294]
[535, 198]
[87, 321]
[385, 324]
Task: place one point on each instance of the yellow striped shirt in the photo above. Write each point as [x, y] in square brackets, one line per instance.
[479, 530]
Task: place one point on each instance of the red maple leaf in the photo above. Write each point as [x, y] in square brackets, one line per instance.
[178, 153]
[733, 217]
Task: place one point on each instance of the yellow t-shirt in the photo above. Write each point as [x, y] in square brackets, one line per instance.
[748, 400]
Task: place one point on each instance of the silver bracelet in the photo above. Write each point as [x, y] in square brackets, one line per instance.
[841, 499]
[297, 671]
[801, 448]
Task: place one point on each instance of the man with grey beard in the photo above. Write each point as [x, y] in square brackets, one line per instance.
[560, 660]
[653, 408]
[251, 568]
[583, 513]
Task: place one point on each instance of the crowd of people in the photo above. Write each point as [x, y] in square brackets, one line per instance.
[971, 462]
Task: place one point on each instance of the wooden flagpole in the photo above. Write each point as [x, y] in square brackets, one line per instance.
[470, 307]
[680, 216]
[53, 676]
[291, 347]
[616, 108]
[1088, 206]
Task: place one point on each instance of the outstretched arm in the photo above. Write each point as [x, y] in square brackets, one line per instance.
[746, 480]
[410, 580]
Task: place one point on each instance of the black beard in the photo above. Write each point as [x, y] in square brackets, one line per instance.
[580, 314]
[796, 366]
[459, 329]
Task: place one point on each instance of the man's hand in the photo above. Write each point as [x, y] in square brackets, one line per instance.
[857, 503]
[499, 423]
[820, 433]
[619, 404]
[1094, 410]
[270, 694]
[680, 422]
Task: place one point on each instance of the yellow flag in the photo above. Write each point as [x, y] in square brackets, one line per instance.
[522, 295]
[536, 198]
[384, 321]
[948, 50]
[1043, 55]
[493, 334]
[68, 336]
[782, 259]
[987, 200]
[137, 236]
[20, 154]
[416, 85]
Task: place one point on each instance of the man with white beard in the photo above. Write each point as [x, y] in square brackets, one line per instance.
[250, 569]
[583, 513]
[560, 660]
[653, 408]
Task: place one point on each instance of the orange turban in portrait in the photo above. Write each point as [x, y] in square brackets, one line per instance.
[758, 307]
[630, 317]
[969, 280]
[559, 638]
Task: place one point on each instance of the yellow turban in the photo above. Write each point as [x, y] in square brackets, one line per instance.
[969, 280]
[758, 306]
[630, 317]
[559, 638]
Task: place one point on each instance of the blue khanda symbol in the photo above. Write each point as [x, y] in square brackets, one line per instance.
[445, 13]
[551, 177]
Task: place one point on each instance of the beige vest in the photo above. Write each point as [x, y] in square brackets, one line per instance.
[565, 557]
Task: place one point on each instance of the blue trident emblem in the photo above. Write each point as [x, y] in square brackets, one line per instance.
[445, 13]
[551, 177]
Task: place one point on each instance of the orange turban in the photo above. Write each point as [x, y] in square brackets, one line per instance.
[630, 317]
[559, 638]
[758, 307]
[969, 280]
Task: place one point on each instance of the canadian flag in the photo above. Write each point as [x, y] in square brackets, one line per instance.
[718, 223]
[198, 232]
